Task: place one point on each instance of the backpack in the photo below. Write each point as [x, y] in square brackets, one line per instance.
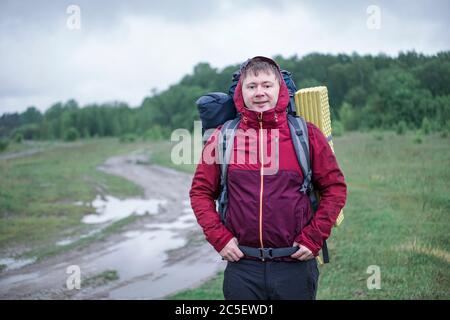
[218, 108]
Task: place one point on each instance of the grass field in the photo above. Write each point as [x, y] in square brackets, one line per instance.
[396, 217]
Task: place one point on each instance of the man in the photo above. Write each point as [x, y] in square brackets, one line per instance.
[265, 207]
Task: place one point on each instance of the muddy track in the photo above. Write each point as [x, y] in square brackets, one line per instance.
[155, 256]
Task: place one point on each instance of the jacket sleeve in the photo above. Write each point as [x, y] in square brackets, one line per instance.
[328, 179]
[204, 190]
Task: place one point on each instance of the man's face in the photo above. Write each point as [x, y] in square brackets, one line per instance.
[260, 92]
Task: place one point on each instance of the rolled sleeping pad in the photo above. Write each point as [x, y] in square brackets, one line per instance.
[312, 104]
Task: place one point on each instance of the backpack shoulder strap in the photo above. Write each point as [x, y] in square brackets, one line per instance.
[299, 135]
[226, 142]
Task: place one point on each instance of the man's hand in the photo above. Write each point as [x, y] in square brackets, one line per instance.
[303, 253]
[231, 252]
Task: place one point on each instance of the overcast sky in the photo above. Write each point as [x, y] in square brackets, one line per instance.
[123, 49]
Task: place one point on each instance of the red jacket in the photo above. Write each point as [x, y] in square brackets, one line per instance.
[268, 210]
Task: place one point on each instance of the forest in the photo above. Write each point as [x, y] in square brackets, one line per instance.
[407, 92]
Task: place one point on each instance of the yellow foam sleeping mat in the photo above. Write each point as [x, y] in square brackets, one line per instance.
[312, 104]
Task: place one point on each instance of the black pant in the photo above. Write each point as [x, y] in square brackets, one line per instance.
[270, 280]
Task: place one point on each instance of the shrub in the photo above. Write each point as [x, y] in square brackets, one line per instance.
[426, 126]
[350, 117]
[128, 137]
[155, 133]
[401, 127]
[18, 138]
[71, 134]
[445, 130]
[3, 144]
[419, 137]
[338, 129]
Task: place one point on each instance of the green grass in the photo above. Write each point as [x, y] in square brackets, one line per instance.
[396, 217]
[101, 279]
[37, 193]
[14, 147]
[211, 290]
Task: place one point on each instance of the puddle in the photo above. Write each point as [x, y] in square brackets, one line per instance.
[182, 222]
[19, 278]
[188, 219]
[141, 259]
[142, 253]
[187, 208]
[141, 263]
[113, 209]
[65, 242]
[170, 279]
[12, 264]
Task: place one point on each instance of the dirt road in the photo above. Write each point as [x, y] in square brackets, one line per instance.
[158, 255]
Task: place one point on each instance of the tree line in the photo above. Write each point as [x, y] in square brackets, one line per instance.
[366, 91]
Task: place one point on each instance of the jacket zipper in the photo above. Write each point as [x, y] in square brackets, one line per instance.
[261, 154]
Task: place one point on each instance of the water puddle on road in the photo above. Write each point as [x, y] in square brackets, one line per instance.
[141, 262]
[142, 253]
[169, 279]
[112, 209]
[11, 264]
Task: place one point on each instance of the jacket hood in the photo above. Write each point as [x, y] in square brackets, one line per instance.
[283, 95]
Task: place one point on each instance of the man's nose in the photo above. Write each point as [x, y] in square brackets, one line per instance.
[259, 91]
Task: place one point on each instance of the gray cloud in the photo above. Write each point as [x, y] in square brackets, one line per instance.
[125, 48]
[104, 14]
